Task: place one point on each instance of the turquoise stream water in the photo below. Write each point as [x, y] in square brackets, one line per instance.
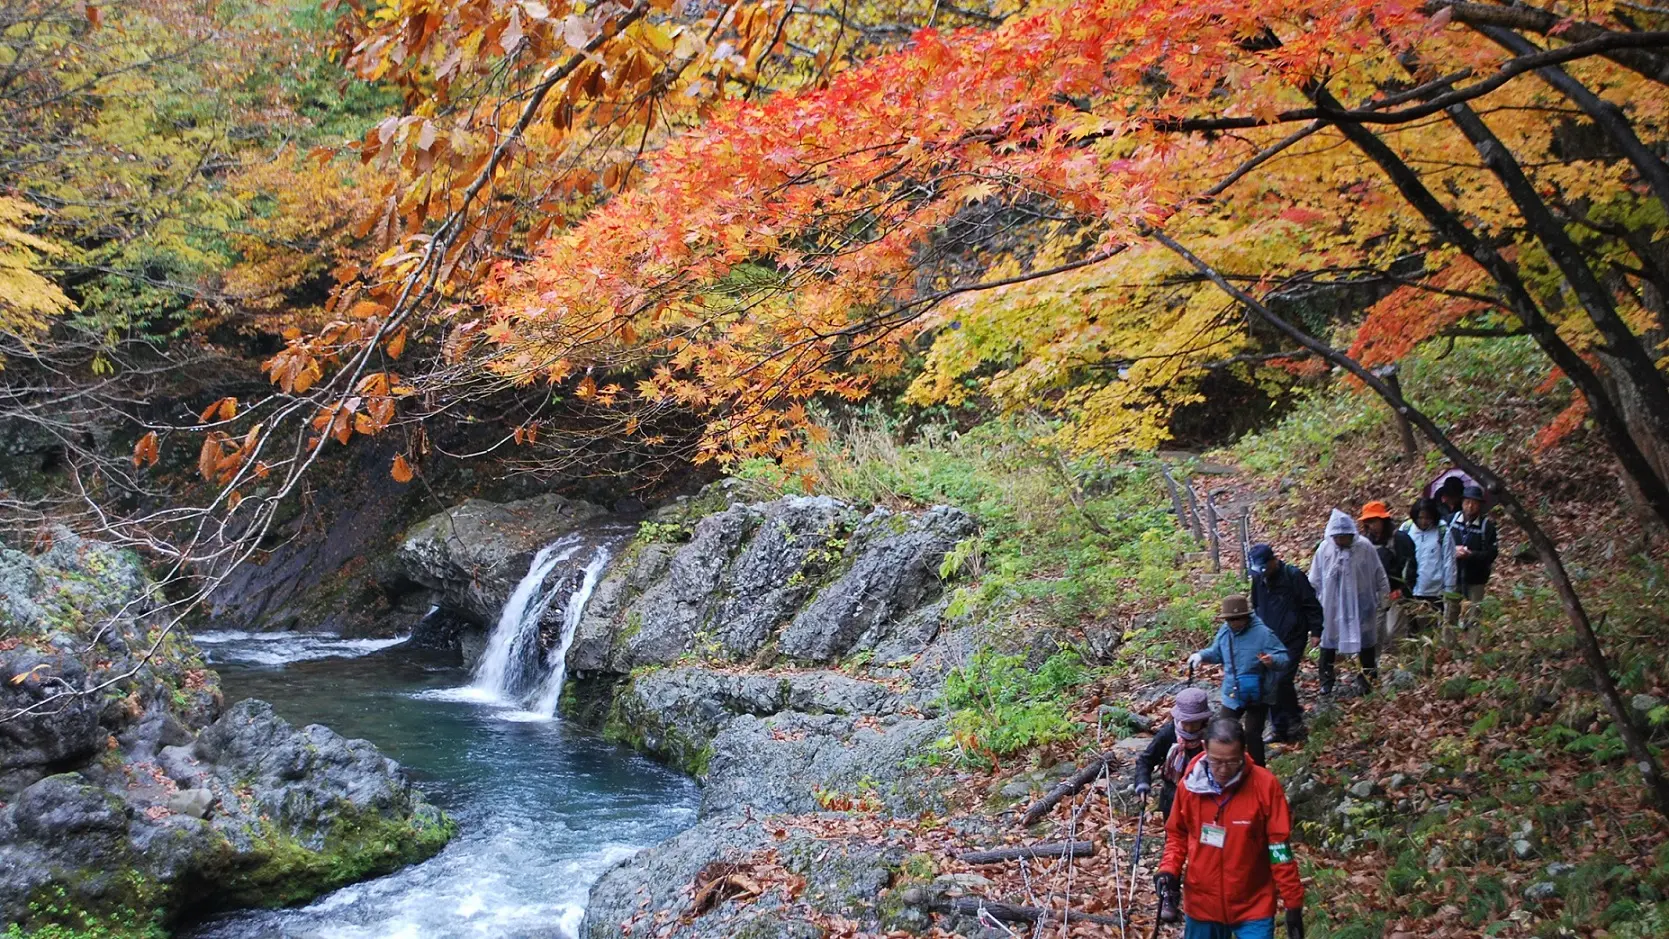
[542, 809]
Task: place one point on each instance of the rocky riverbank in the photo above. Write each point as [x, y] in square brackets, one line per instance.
[787, 653]
[131, 800]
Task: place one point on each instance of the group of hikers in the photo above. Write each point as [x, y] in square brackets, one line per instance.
[1370, 580]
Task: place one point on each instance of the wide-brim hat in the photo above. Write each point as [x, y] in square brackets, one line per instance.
[1375, 509]
[1235, 606]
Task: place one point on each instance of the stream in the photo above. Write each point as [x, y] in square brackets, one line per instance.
[542, 809]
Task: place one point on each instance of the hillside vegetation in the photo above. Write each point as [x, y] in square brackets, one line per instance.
[1482, 791]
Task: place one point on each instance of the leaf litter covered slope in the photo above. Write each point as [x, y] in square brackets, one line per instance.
[1496, 801]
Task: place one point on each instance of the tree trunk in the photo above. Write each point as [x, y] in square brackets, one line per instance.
[1618, 435]
[1645, 761]
[1085, 775]
[1405, 430]
[1050, 850]
[1644, 62]
[1627, 360]
[972, 906]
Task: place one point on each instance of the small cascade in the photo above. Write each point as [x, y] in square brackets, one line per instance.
[545, 704]
[515, 639]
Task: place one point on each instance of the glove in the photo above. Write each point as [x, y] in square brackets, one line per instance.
[1295, 924]
[1142, 789]
[1170, 897]
[1194, 661]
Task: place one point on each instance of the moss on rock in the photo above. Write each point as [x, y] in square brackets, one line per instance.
[286, 871]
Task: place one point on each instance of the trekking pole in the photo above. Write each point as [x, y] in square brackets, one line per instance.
[1136, 850]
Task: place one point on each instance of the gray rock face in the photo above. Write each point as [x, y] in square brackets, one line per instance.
[650, 891]
[807, 572]
[792, 539]
[780, 764]
[472, 554]
[659, 879]
[675, 713]
[301, 779]
[80, 610]
[807, 579]
[743, 574]
[72, 583]
[895, 569]
[61, 730]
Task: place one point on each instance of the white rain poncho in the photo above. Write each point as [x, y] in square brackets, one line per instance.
[1351, 584]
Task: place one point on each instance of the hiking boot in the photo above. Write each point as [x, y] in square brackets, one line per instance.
[1363, 686]
[1271, 735]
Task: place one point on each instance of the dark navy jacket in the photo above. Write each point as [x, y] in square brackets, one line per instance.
[1288, 606]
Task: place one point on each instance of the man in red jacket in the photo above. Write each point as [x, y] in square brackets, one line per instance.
[1228, 831]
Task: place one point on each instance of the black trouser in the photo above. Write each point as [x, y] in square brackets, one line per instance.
[1370, 666]
[1287, 714]
[1252, 716]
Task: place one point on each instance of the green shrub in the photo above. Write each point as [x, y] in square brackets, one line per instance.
[1000, 707]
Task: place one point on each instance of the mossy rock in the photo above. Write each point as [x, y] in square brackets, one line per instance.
[285, 871]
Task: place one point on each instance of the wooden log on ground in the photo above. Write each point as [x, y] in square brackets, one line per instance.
[970, 906]
[1078, 781]
[1052, 849]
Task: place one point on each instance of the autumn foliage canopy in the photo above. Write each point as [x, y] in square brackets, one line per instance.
[695, 227]
[973, 207]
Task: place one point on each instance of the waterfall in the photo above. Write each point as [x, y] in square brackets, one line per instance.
[515, 639]
[551, 690]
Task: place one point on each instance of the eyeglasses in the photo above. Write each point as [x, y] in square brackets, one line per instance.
[1226, 764]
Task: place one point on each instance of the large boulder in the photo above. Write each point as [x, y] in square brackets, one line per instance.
[659, 879]
[472, 554]
[79, 667]
[52, 726]
[303, 780]
[253, 813]
[128, 797]
[73, 585]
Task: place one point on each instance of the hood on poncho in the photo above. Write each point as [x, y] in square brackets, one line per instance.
[1341, 523]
